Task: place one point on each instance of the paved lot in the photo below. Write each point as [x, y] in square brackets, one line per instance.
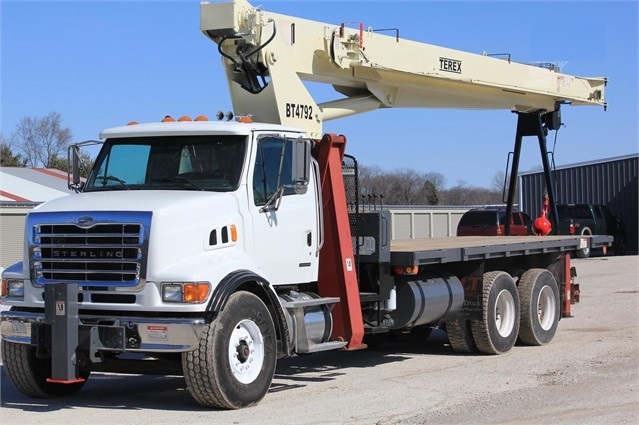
[587, 375]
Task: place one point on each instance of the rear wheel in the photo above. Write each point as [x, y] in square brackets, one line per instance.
[29, 374]
[460, 336]
[235, 362]
[496, 332]
[540, 308]
[619, 244]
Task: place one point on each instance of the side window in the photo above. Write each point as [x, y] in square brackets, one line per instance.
[272, 169]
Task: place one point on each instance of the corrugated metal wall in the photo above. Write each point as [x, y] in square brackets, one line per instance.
[612, 182]
[12, 217]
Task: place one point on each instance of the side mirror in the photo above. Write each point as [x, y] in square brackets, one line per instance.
[301, 166]
[74, 177]
[73, 168]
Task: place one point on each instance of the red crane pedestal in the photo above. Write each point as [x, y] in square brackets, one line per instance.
[337, 274]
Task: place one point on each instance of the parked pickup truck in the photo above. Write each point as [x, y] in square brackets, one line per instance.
[591, 219]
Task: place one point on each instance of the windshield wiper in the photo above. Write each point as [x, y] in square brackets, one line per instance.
[179, 179]
[112, 178]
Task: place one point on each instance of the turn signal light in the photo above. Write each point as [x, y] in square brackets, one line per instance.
[196, 292]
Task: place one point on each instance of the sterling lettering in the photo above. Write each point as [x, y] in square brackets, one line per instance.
[88, 254]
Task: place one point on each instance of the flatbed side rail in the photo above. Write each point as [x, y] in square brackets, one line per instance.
[470, 248]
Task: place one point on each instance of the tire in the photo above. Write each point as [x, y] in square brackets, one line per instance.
[540, 308]
[234, 364]
[29, 374]
[584, 253]
[460, 336]
[619, 244]
[496, 332]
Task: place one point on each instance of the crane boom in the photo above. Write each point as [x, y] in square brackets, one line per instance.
[267, 57]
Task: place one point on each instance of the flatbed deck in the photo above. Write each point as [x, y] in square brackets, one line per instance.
[469, 248]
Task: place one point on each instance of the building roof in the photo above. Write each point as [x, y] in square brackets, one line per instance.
[581, 164]
[19, 184]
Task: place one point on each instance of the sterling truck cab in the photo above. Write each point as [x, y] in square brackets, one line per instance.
[217, 184]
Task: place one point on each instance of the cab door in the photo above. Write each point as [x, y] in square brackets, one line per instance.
[285, 218]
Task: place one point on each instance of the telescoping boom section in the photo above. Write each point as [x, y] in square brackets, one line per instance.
[267, 57]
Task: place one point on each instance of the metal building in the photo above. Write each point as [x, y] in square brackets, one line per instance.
[21, 189]
[611, 181]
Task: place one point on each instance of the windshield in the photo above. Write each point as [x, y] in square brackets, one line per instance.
[169, 163]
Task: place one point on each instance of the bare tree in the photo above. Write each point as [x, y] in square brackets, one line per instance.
[438, 180]
[400, 187]
[42, 140]
[499, 181]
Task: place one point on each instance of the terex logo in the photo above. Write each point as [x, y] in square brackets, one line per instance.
[450, 65]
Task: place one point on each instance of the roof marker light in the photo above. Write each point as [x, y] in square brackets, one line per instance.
[201, 118]
[133, 123]
[184, 118]
[246, 119]
[168, 118]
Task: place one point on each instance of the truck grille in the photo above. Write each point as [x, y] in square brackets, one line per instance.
[92, 250]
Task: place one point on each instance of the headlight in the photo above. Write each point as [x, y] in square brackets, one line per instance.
[12, 288]
[185, 292]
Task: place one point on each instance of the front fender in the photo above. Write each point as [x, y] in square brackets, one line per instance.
[246, 280]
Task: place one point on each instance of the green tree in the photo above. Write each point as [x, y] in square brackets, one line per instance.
[62, 163]
[7, 157]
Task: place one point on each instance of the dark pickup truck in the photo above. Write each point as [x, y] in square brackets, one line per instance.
[591, 219]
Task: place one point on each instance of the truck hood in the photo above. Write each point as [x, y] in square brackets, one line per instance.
[156, 201]
[185, 226]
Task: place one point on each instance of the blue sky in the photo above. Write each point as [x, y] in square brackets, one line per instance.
[103, 63]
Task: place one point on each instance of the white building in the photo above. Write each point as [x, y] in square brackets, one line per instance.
[21, 189]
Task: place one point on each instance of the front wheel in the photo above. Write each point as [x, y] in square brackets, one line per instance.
[539, 307]
[234, 364]
[29, 374]
[496, 332]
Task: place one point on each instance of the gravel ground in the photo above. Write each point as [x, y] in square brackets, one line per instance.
[588, 375]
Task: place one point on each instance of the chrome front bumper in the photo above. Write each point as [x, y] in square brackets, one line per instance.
[110, 333]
